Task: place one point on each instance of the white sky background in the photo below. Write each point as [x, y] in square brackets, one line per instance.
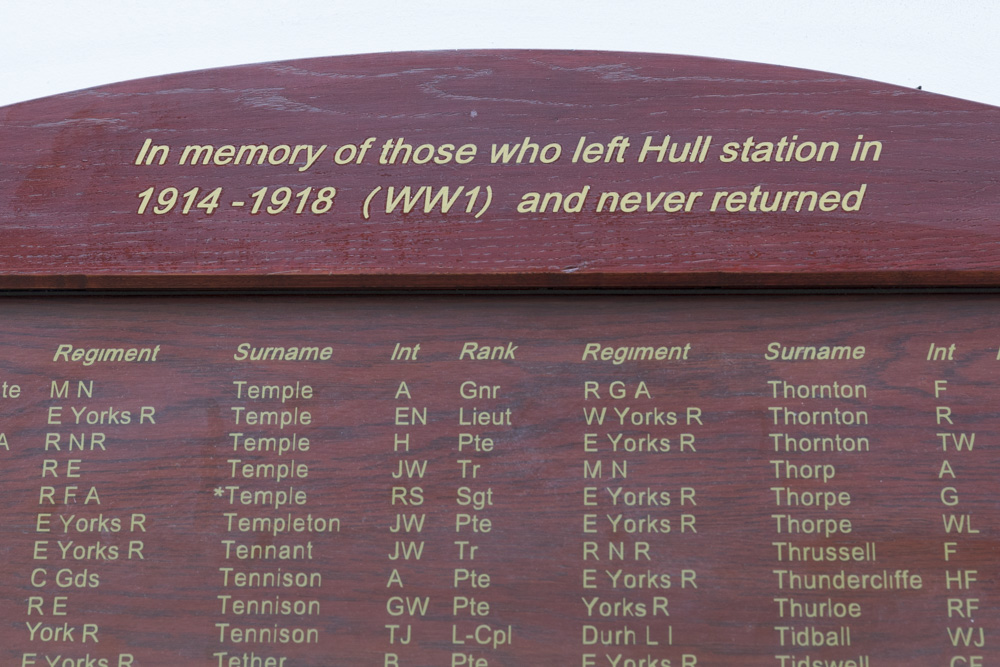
[54, 46]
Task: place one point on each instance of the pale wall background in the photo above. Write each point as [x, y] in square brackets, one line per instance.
[53, 46]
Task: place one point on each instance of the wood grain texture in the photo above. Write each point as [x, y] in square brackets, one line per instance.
[163, 609]
[68, 182]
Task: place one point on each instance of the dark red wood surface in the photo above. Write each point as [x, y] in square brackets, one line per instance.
[69, 199]
[163, 609]
[69, 185]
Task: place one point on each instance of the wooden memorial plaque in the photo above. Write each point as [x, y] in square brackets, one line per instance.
[499, 359]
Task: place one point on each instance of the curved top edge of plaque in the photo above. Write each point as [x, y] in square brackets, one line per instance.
[499, 169]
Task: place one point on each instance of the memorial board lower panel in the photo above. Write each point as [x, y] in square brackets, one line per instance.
[500, 481]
